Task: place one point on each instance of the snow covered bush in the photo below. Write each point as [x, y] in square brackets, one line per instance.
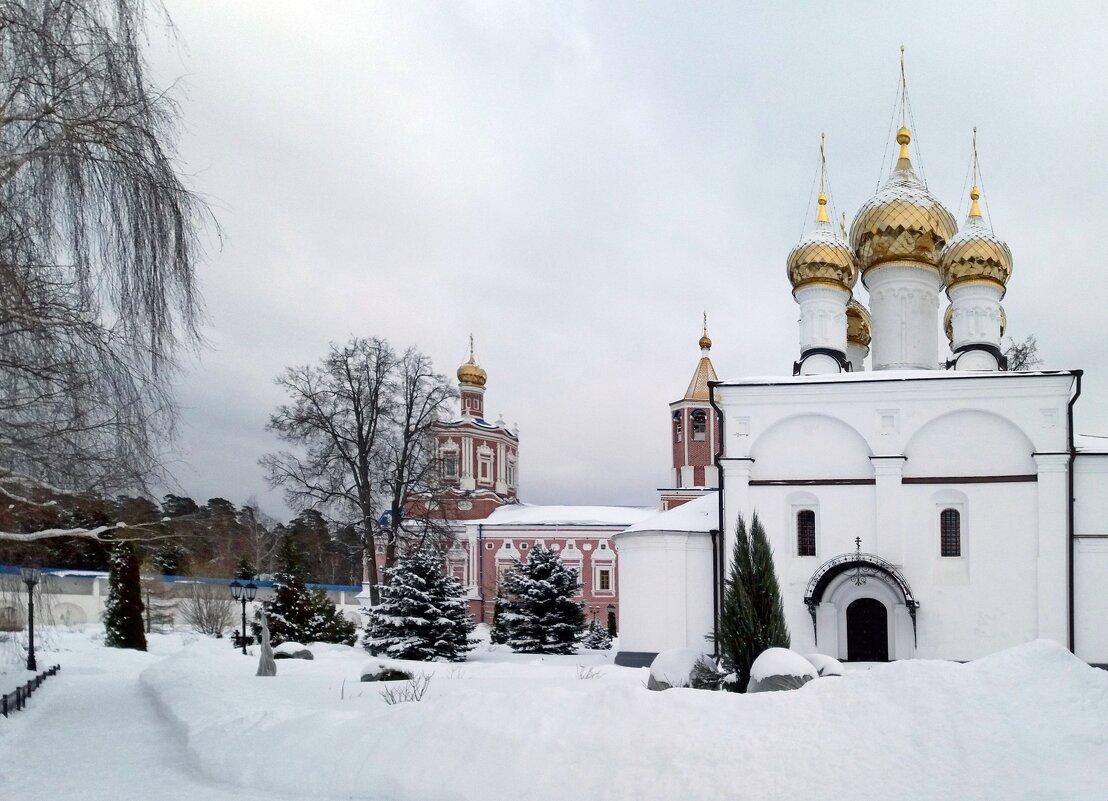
[825, 665]
[301, 613]
[753, 616]
[422, 614]
[123, 610]
[542, 616]
[674, 668]
[596, 638]
[779, 669]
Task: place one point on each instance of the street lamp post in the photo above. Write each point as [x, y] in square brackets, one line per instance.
[243, 593]
[30, 576]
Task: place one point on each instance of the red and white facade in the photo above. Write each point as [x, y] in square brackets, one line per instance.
[582, 535]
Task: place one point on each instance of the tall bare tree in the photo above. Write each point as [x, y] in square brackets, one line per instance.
[98, 250]
[360, 420]
[411, 469]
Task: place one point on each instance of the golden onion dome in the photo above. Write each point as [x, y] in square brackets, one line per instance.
[705, 340]
[859, 325]
[822, 257]
[470, 373]
[903, 222]
[975, 254]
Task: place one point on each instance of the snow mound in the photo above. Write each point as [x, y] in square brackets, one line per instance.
[673, 668]
[825, 665]
[292, 650]
[383, 670]
[1026, 724]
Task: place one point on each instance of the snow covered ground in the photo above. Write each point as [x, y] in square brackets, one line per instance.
[190, 721]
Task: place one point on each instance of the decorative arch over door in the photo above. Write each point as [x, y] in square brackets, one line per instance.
[859, 569]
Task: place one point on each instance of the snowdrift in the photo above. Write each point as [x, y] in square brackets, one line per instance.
[1028, 723]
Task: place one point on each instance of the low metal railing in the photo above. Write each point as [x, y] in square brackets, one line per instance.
[14, 701]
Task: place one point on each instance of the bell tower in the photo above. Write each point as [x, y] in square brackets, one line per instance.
[694, 435]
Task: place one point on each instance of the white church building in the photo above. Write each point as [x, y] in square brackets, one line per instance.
[923, 507]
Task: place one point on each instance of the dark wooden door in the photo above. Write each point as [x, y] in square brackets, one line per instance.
[867, 631]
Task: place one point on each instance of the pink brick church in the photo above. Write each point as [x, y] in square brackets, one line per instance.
[478, 496]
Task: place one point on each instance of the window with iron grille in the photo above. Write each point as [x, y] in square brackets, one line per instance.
[950, 530]
[677, 426]
[806, 533]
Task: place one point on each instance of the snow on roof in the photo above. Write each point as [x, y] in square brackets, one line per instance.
[1091, 443]
[888, 375]
[517, 514]
[700, 515]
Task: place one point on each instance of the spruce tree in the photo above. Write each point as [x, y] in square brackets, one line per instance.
[753, 616]
[422, 615]
[123, 611]
[596, 638]
[499, 633]
[542, 616]
[299, 613]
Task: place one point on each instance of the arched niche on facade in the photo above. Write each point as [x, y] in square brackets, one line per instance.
[810, 446]
[969, 442]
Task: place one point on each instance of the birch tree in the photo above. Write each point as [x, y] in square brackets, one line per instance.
[99, 244]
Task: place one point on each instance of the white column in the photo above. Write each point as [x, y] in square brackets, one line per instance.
[1054, 542]
[467, 481]
[904, 306]
[736, 499]
[856, 355]
[822, 326]
[887, 539]
[976, 321]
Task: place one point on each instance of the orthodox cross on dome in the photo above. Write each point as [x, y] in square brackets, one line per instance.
[857, 544]
[821, 214]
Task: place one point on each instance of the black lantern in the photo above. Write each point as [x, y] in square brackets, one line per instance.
[30, 576]
[243, 593]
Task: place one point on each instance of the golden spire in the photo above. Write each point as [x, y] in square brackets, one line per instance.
[903, 136]
[471, 359]
[821, 215]
[975, 193]
[705, 342]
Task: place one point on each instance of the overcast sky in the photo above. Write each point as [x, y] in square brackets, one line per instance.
[574, 183]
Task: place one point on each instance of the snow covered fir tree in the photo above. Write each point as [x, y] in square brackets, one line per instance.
[123, 620]
[596, 638]
[541, 614]
[299, 613]
[422, 615]
[753, 618]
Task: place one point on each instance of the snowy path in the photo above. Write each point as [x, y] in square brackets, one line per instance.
[90, 735]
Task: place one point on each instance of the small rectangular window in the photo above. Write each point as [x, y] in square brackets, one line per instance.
[806, 533]
[605, 582]
[950, 532]
[450, 465]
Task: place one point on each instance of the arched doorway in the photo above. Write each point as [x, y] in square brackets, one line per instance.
[867, 631]
[884, 633]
